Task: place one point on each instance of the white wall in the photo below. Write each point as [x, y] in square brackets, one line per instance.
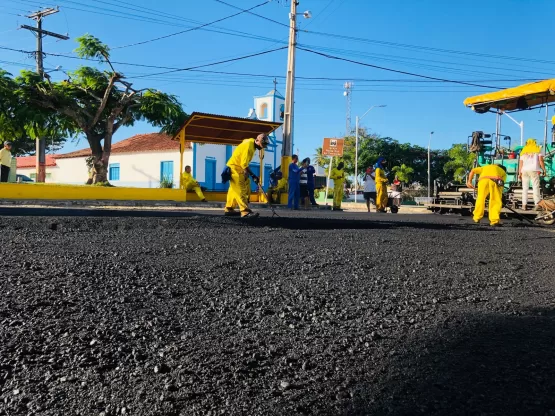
[52, 172]
[138, 170]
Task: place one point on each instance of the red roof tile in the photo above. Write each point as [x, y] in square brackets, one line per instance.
[138, 143]
[31, 161]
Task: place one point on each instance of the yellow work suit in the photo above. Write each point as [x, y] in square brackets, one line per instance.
[486, 186]
[381, 189]
[238, 184]
[338, 177]
[190, 184]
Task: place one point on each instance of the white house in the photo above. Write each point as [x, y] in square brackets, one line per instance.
[141, 161]
[145, 159]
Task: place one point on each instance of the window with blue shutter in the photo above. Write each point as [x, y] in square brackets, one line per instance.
[166, 171]
[113, 172]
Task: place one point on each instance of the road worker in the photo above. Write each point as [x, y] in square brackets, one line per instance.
[278, 186]
[190, 184]
[338, 176]
[381, 185]
[530, 166]
[491, 181]
[238, 164]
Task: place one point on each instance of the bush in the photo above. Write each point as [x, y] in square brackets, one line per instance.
[166, 183]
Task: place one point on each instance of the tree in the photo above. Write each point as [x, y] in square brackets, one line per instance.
[403, 173]
[98, 103]
[21, 124]
[460, 162]
[320, 159]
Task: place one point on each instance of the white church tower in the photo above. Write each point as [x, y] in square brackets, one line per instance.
[270, 107]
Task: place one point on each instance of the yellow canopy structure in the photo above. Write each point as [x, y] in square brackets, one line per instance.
[513, 99]
[217, 129]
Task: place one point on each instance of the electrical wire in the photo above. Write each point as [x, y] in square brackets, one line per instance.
[216, 63]
[175, 69]
[254, 14]
[393, 70]
[191, 29]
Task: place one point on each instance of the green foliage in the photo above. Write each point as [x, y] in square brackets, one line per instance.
[403, 173]
[91, 47]
[104, 183]
[91, 102]
[21, 123]
[372, 146]
[460, 162]
[166, 183]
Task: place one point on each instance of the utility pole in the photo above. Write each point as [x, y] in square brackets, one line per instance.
[287, 147]
[40, 33]
[429, 167]
[347, 93]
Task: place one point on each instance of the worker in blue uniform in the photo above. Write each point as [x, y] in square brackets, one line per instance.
[294, 181]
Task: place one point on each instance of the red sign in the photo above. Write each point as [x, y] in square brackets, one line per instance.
[333, 147]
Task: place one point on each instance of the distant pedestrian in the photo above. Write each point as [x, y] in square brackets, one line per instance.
[304, 184]
[5, 161]
[370, 187]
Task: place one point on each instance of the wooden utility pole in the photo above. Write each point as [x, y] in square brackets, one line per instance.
[287, 146]
[40, 33]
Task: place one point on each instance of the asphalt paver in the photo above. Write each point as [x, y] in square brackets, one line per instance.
[306, 314]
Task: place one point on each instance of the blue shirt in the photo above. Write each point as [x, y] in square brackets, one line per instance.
[294, 173]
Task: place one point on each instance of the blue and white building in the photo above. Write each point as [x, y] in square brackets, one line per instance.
[209, 160]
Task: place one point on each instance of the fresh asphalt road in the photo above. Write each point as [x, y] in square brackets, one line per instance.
[189, 313]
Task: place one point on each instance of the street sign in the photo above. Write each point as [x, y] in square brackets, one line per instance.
[333, 147]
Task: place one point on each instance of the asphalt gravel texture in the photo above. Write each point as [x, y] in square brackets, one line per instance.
[306, 314]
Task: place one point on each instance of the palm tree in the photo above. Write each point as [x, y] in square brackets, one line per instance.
[460, 161]
[320, 159]
[403, 173]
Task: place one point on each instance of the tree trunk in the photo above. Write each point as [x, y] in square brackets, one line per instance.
[99, 170]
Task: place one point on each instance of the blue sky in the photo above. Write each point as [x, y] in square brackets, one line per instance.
[495, 43]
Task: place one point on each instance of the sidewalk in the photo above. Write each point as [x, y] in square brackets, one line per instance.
[165, 205]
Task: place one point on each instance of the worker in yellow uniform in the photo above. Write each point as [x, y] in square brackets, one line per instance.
[490, 182]
[381, 185]
[338, 176]
[238, 164]
[190, 184]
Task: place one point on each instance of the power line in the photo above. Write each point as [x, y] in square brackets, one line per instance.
[254, 14]
[395, 44]
[403, 59]
[191, 29]
[428, 48]
[393, 70]
[216, 63]
[175, 69]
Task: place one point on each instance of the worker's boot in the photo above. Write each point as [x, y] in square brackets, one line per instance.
[249, 214]
[230, 212]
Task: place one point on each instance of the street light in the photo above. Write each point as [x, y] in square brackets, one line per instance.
[356, 143]
[429, 169]
[521, 125]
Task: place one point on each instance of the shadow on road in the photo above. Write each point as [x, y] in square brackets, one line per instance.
[482, 365]
[265, 220]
